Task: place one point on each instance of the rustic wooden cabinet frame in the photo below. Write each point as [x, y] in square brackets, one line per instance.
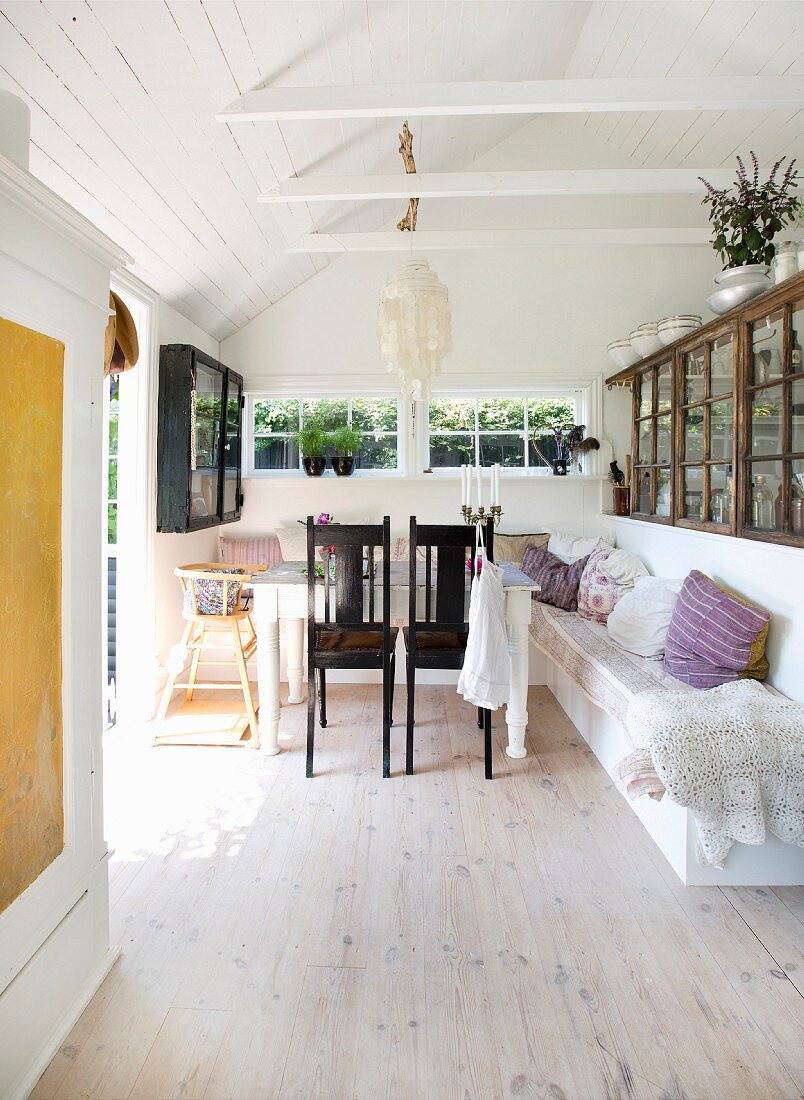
[786, 300]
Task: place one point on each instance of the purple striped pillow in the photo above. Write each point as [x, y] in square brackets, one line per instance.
[558, 581]
[714, 636]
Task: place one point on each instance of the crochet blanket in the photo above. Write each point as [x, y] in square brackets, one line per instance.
[734, 755]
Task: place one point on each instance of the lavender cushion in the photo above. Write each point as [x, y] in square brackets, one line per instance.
[714, 636]
[558, 581]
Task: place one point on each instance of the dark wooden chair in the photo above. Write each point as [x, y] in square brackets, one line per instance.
[439, 640]
[349, 639]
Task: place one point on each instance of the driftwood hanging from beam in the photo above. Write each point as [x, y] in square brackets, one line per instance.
[408, 223]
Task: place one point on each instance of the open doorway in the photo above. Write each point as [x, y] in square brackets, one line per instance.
[129, 659]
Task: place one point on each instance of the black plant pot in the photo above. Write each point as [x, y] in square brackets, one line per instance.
[560, 467]
[343, 465]
[314, 466]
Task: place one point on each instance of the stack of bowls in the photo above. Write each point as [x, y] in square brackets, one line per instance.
[623, 354]
[645, 339]
[673, 328]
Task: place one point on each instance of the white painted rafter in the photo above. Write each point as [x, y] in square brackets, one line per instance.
[451, 240]
[450, 185]
[527, 97]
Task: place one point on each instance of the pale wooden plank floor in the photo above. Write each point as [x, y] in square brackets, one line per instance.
[433, 936]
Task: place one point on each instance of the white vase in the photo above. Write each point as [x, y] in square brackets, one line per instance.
[737, 285]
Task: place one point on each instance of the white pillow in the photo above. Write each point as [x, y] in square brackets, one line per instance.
[640, 620]
[293, 542]
[624, 567]
[570, 548]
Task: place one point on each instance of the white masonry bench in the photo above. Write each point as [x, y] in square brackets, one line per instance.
[594, 680]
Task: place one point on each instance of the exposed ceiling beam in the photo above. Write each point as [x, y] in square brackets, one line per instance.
[448, 240]
[451, 185]
[528, 97]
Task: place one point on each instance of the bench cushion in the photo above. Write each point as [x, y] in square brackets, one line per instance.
[606, 674]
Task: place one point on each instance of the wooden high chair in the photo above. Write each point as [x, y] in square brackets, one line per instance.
[212, 594]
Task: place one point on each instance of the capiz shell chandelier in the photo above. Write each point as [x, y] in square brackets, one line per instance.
[414, 326]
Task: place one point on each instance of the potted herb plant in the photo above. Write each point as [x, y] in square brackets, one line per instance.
[345, 442]
[312, 442]
[745, 218]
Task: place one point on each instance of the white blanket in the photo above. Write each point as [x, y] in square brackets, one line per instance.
[734, 755]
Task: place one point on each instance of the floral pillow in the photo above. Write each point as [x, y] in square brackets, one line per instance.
[558, 581]
[598, 593]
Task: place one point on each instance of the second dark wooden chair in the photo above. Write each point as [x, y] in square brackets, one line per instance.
[439, 640]
[354, 638]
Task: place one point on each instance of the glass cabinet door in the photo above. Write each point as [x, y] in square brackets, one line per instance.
[705, 490]
[773, 489]
[652, 488]
[231, 450]
[205, 443]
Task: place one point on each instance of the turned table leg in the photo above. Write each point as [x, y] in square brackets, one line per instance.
[294, 641]
[516, 715]
[266, 624]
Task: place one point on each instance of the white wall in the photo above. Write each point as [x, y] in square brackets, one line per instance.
[171, 550]
[54, 937]
[547, 314]
[770, 576]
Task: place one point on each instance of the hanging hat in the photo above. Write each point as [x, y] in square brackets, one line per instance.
[121, 349]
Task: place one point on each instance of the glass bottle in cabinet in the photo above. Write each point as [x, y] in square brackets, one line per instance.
[762, 507]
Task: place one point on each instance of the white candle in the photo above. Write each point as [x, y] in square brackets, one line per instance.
[495, 483]
[479, 487]
[464, 485]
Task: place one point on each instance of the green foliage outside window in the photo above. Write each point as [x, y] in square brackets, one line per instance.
[500, 427]
[280, 424]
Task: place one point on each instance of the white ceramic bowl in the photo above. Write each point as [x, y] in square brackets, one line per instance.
[645, 342]
[670, 333]
[693, 318]
[623, 354]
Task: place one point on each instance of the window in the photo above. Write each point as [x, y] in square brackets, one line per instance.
[276, 420]
[516, 432]
[654, 442]
[111, 493]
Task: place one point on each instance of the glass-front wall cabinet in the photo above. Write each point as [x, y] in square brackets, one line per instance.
[653, 437]
[705, 473]
[718, 434]
[773, 485]
[200, 418]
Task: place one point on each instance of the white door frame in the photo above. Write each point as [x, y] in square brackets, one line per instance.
[137, 669]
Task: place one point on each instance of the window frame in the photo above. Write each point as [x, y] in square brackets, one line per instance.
[571, 393]
[250, 436]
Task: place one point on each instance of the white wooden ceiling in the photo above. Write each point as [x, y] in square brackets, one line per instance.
[124, 94]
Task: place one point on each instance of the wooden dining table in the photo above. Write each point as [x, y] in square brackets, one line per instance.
[280, 594]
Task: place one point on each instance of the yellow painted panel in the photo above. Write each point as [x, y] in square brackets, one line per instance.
[31, 743]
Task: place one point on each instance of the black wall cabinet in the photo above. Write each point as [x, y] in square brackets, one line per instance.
[200, 432]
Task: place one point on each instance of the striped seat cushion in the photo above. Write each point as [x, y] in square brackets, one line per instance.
[714, 636]
[256, 550]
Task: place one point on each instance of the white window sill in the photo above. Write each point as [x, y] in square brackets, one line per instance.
[382, 475]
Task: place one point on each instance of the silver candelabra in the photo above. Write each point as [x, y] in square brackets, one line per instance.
[480, 516]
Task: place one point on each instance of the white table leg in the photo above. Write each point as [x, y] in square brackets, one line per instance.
[294, 641]
[266, 625]
[516, 714]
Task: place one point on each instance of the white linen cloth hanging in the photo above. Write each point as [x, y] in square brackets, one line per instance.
[486, 672]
